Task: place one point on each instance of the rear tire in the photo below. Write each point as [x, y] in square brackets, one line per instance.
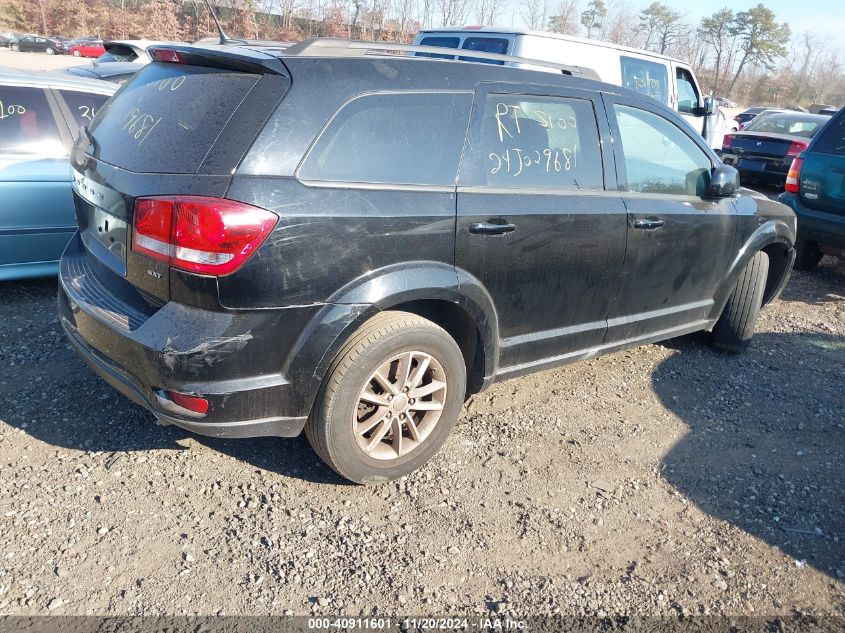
[734, 329]
[76, 54]
[49, 51]
[15, 47]
[390, 345]
[807, 254]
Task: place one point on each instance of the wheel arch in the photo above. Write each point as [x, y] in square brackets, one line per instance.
[776, 239]
[452, 299]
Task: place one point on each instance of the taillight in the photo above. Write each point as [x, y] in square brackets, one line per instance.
[796, 147]
[212, 236]
[793, 178]
[727, 142]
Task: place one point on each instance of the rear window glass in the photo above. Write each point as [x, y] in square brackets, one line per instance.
[445, 42]
[118, 54]
[832, 139]
[399, 138]
[168, 117]
[26, 122]
[485, 45]
[649, 78]
[83, 105]
[785, 124]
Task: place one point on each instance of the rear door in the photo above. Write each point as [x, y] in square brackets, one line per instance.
[823, 172]
[174, 129]
[679, 242]
[540, 222]
[36, 208]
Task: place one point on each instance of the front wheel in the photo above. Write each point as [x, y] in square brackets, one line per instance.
[389, 400]
[734, 329]
[15, 47]
[76, 54]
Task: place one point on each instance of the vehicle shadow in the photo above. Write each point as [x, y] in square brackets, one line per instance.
[766, 444]
[49, 393]
[824, 284]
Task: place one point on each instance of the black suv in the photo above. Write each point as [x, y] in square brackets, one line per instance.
[815, 189]
[352, 242]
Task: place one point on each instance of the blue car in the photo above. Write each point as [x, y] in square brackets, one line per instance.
[40, 116]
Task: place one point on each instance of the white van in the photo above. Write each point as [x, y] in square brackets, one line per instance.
[668, 80]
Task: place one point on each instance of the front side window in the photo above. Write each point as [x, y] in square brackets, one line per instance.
[659, 157]
[648, 78]
[535, 142]
[687, 95]
[83, 105]
[26, 122]
[392, 138]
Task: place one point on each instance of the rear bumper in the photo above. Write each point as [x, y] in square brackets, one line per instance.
[817, 226]
[771, 171]
[224, 357]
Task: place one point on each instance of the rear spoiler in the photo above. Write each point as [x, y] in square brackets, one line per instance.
[234, 57]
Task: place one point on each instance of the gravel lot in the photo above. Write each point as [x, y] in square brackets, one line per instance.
[38, 61]
[669, 479]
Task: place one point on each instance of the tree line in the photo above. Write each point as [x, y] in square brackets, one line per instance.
[747, 55]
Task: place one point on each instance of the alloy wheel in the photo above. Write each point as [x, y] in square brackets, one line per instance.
[399, 405]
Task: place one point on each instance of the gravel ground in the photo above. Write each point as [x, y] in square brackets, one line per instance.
[668, 479]
[38, 61]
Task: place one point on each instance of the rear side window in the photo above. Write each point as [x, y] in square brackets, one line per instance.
[832, 139]
[167, 118]
[84, 106]
[535, 142]
[649, 78]
[486, 45]
[398, 138]
[27, 124]
[445, 42]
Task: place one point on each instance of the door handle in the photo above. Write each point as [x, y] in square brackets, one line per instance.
[491, 228]
[648, 224]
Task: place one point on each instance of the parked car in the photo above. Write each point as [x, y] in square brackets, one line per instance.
[36, 44]
[670, 81]
[6, 38]
[815, 189]
[86, 48]
[763, 150]
[128, 51]
[724, 102]
[745, 117]
[116, 72]
[273, 240]
[39, 120]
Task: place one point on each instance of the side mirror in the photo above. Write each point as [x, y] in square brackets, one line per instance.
[724, 182]
[709, 106]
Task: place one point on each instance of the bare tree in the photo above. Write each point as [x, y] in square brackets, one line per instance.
[534, 12]
[453, 12]
[488, 11]
[565, 20]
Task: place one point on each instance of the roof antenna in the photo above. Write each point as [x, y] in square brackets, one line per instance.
[224, 39]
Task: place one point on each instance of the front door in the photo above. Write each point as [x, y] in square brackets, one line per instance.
[680, 242]
[540, 222]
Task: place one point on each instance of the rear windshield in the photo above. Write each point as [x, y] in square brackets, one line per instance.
[832, 139]
[118, 54]
[785, 124]
[167, 118]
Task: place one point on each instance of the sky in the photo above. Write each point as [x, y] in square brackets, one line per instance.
[824, 17]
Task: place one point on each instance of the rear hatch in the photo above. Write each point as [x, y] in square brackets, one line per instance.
[823, 171]
[177, 128]
[762, 145]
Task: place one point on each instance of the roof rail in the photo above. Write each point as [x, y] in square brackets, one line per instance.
[336, 47]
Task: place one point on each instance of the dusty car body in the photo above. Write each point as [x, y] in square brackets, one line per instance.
[341, 214]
